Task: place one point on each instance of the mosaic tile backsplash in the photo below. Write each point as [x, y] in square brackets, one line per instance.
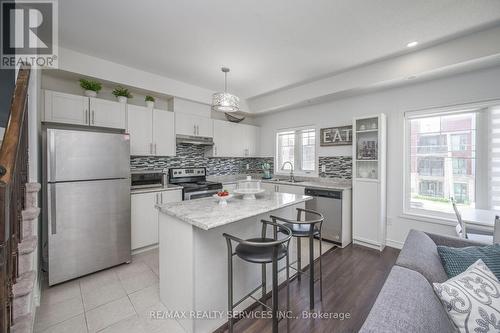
[336, 167]
[194, 156]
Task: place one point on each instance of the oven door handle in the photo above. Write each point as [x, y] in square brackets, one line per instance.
[206, 193]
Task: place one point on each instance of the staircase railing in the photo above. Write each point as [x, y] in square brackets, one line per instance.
[13, 179]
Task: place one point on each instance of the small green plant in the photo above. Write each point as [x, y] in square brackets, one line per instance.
[149, 98]
[120, 91]
[90, 85]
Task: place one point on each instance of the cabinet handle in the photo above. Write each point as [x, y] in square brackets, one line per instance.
[151, 148]
[215, 150]
[157, 198]
[197, 130]
[86, 117]
[194, 126]
[93, 120]
[155, 149]
[161, 194]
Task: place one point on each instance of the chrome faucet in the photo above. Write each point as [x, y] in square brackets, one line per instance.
[292, 178]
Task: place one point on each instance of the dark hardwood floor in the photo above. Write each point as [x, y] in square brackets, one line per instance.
[352, 279]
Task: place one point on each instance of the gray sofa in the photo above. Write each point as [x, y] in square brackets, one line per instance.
[407, 302]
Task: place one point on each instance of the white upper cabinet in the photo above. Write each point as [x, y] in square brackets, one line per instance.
[66, 108]
[164, 133]
[151, 131]
[81, 110]
[104, 113]
[140, 128]
[224, 142]
[235, 140]
[193, 125]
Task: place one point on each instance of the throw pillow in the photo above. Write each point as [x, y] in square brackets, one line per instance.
[457, 260]
[472, 299]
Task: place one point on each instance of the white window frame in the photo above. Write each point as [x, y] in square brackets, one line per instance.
[481, 158]
[298, 153]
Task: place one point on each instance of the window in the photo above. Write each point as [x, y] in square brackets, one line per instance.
[459, 166]
[431, 166]
[460, 193]
[459, 142]
[430, 188]
[297, 146]
[441, 160]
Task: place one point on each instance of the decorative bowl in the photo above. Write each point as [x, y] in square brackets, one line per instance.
[222, 200]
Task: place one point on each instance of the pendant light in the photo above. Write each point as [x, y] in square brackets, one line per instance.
[224, 101]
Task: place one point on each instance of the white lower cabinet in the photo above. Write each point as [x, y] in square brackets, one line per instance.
[144, 215]
[283, 188]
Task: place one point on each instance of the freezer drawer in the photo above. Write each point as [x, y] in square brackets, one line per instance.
[85, 155]
[88, 227]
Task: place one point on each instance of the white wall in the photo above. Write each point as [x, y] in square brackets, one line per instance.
[470, 87]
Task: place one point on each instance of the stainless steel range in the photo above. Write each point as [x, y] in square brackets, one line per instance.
[194, 182]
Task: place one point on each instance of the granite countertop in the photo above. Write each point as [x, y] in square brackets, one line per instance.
[207, 214]
[168, 187]
[317, 182]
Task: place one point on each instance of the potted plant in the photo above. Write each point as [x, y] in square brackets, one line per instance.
[150, 101]
[122, 94]
[91, 87]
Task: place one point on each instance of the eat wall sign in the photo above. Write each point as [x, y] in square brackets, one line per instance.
[336, 136]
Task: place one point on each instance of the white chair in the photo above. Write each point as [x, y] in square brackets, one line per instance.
[463, 233]
[496, 234]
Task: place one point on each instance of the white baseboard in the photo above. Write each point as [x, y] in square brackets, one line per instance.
[393, 243]
[145, 249]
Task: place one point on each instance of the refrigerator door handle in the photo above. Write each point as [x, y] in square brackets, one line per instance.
[52, 155]
[52, 208]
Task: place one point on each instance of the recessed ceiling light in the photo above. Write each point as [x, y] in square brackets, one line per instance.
[412, 44]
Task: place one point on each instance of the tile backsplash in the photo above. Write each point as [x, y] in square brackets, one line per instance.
[335, 167]
[194, 156]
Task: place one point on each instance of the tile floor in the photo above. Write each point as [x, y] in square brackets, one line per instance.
[119, 299]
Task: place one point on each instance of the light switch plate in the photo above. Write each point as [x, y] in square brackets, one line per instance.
[323, 168]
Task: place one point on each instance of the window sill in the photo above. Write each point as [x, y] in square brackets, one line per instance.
[426, 217]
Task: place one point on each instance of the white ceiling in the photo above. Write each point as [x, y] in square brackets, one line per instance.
[267, 44]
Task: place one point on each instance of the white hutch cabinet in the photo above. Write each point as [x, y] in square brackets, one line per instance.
[369, 181]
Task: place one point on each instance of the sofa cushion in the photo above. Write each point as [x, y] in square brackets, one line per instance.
[457, 260]
[407, 303]
[472, 299]
[419, 253]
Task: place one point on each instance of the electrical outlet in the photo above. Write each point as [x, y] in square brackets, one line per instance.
[323, 168]
[248, 166]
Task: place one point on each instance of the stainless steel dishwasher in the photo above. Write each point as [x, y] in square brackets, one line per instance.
[328, 203]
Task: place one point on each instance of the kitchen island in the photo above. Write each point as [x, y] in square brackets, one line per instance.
[193, 254]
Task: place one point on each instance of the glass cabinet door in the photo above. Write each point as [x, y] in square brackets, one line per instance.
[367, 148]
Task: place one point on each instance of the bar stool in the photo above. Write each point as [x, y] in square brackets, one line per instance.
[306, 228]
[262, 250]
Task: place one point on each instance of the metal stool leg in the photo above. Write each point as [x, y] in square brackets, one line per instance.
[288, 289]
[230, 290]
[311, 271]
[299, 258]
[275, 294]
[264, 283]
[320, 267]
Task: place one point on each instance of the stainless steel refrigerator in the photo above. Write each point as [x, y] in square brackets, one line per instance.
[87, 201]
